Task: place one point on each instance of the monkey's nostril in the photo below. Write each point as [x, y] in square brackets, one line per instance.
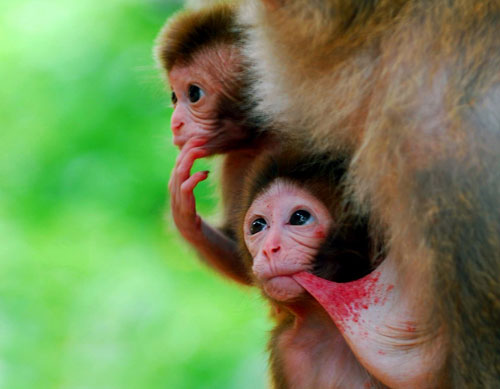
[275, 249]
[176, 128]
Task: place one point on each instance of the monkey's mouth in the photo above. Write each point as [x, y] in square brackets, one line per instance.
[281, 278]
[179, 141]
[283, 287]
[269, 273]
[287, 274]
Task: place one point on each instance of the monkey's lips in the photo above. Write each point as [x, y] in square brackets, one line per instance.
[282, 287]
[179, 141]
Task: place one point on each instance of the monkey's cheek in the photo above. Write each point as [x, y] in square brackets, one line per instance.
[283, 288]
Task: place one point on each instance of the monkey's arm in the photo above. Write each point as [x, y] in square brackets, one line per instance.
[216, 248]
[220, 251]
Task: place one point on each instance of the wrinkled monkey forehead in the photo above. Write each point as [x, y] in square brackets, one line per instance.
[216, 68]
[282, 197]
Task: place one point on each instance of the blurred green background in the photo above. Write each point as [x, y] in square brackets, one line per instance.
[97, 290]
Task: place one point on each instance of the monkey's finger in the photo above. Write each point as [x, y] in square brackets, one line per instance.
[188, 186]
[185, 152]
[198, 141]
[188, 202]
[190, 144]
[184, 168]
[173, 182]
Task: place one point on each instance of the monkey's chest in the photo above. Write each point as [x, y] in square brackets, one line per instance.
[316, 356]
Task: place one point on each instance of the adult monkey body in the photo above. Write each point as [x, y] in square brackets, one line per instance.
[411, 91]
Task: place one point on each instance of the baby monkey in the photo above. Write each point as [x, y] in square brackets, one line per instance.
[298, 233]
[293, 208]
[200, 53]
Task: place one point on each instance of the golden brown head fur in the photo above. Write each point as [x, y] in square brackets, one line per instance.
[191, 31]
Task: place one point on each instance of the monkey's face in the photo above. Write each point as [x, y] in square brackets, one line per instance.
[194, 97]
[283, 229]
[198, 88]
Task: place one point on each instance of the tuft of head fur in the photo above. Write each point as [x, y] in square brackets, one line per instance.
[190, 31]
[316, 173]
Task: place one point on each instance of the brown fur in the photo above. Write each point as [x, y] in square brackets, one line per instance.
[189, 32]
[410, 90]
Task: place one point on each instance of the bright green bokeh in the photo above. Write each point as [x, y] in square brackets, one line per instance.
[96, 290]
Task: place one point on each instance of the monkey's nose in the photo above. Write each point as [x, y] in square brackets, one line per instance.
[176, 127]
[177, 122]
[271, 250]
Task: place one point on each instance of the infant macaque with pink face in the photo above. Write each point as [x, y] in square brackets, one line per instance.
[340, 323]
[294, 222]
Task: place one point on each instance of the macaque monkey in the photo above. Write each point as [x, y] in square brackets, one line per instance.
[409, 91]
[200, 53]
[292, 207]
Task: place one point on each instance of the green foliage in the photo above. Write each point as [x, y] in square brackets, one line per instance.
[95, 291]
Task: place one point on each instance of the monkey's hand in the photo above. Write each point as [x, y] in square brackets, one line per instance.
[216, 249]
[181, 186]
[384, 326]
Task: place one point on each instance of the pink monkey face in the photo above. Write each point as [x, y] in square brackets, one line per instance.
[194, 97]
[283, 230]
[197, 91]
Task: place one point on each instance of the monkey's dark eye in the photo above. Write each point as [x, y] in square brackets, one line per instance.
[300, 218]
[173, 98]
[195, 93]
[257, 225]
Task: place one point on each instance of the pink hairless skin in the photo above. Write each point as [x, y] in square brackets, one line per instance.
[375, 318]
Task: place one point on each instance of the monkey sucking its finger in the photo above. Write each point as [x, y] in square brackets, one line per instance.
[199, 53]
